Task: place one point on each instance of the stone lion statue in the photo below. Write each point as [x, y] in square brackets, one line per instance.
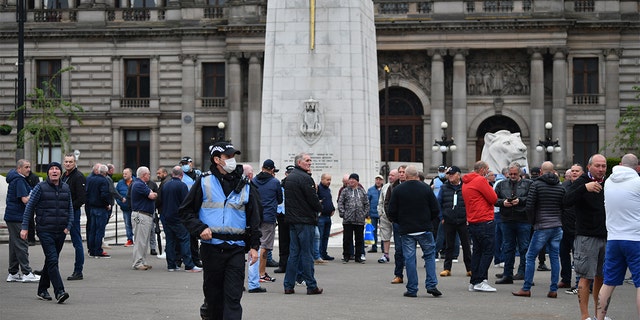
[502, 148]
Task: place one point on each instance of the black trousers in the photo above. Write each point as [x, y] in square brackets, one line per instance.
[284, 239]
[566, 247]
[351, 231]
[450, 231]
[223, 276]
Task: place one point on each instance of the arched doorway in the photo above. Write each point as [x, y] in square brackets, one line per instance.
[401, 126]
[493, 124]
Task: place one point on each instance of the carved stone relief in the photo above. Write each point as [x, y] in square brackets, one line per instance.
[410, 66]
[498, 73]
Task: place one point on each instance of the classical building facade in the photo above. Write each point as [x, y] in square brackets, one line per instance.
[156, 78]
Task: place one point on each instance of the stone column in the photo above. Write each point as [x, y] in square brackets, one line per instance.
[234, 130]
[117, 74]
[154, 149]
[116, 145]
[612, 94]
[537, 107]
[559, 111]
[65, 79]
[437, 106]
[188, 127]
[458, 123]
[154, 72]
[254, 114]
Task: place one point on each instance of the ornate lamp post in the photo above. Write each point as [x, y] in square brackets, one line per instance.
[547, 145]
[445, 144]
[384, 170]
[220, 133]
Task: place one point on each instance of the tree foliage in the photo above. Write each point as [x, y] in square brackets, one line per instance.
[44, 122]
[628, 137]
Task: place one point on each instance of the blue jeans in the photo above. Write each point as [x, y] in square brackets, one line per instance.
[316, 244]
[76, 239]
[126, 216]
[515, 233]
[428, 246]
[324, 226]
[177, 238]
[483, 236]
[398, 256]
[51, 243]
[301, 254]
[551, 239]
[99, 219]
[440, 239]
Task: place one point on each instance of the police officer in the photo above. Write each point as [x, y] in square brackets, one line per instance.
[223, 210]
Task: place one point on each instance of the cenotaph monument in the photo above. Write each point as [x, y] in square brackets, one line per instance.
[320, 87]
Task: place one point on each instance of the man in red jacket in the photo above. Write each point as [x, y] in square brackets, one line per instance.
[479, 199]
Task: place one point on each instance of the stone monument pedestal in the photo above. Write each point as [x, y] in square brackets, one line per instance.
[320, 87]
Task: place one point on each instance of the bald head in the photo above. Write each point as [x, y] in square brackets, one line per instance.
[546, 167]
[629, 160]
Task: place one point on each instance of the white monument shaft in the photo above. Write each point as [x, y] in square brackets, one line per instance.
[320, 86]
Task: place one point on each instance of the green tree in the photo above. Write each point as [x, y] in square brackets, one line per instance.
[628, 137]
[44, 124]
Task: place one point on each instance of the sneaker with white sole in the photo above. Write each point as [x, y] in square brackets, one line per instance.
[301, 283]
[383, 259]
[471, 288]
[484, 287]
[194, 269]
[30, 278]
[14, 277]
[162, 256]
[363, 258]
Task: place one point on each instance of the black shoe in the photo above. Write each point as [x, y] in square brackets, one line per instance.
[518, 276]
[328, 258]
[499, 275]
[317, 290]
[258, 290]
[154, 252]
[62, 297]
[31, 244]
[279, 270]
[373, 250]
[272, 264]
[37, 272]
[198, 263]
[410, 295]
[543, 267]
[505, 280]
[434, 292]
[44, 295]
[75, 276]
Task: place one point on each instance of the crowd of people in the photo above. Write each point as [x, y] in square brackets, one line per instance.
[219, 221]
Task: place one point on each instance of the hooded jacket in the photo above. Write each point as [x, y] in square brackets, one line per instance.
[544, 203]
[479, 198]
[18, 188]
[621, 201]
[353, 205]
[270, 195]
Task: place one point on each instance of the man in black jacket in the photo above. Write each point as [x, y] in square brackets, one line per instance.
[302, 208]
[587, 196]
[413, 206]
[544, 209]
[77, 183]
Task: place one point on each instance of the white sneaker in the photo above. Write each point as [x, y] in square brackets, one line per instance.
[31, 278]
[484, 287]
[471, 289]
[301, 283]
[194, 269]
[383, 259]
[162, 256]
[455, 260]
[363, 258]
[14, 277]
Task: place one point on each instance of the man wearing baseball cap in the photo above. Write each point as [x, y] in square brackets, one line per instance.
[223, 209]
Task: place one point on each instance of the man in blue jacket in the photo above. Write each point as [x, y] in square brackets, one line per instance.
[17, 197]
[324, 220]
[99, 201]
[374, 195]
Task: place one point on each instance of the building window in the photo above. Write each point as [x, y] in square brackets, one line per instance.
[585, 142]
[401, 126]
[585, 80]
[217, 2]
[584, 5]
[143, 4]
[46, 70]
[136, 148]
[56, 4]
[213, 79]
[425, 7]
[137, 78]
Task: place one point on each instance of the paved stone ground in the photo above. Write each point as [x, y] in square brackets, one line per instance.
[111, 290]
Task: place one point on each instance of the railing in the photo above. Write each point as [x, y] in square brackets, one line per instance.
[584, 5]
[393, 8]
[136, 14]
[497, 6]
[216, 12]
[53, 15]
[214, 102]
[584, 99]
[134, 103]
[426, 7]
